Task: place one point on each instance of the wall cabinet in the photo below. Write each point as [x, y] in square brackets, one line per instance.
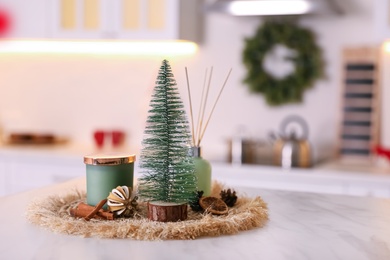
[105, 19]
[88, 19]
[28, 19]
[381, 17]
[157, 19]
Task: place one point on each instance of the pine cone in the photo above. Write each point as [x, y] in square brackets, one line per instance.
[228, 197]
[195, 204]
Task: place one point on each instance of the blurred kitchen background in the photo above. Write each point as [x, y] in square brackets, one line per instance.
[61, 82]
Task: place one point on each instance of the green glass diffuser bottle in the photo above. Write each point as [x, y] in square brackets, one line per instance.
[202, 171]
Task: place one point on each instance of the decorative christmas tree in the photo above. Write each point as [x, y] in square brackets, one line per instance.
[167, 168]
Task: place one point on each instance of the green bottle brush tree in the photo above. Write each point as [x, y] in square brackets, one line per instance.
[168, 182]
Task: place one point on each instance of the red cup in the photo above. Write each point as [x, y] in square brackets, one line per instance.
[118, 137]
[99, 138]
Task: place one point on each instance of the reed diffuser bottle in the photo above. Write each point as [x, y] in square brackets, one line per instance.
[202, 166]
[202, 171]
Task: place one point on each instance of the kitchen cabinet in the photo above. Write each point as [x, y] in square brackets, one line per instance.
[79, 19]
[382, 20]
[125, 19]
[26, 169]
[104, 19]
[28, 19]
[2, 179]
[325, 179]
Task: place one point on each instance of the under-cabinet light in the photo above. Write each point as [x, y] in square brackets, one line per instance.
[268, 7]
[138, 48]
[387, 46]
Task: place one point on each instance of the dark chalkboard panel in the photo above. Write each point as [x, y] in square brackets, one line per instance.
[359, 124]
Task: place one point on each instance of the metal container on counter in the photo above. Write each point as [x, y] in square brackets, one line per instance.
[106, 172]
[291, 150]
[249, 151]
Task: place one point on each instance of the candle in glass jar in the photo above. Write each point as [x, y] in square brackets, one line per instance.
[106, 172]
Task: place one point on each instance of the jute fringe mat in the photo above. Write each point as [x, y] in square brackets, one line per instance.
[53, 213]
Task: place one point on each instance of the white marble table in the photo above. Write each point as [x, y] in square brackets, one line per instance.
[301, 226]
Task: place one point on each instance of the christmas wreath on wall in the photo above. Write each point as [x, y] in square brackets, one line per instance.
[305, 58]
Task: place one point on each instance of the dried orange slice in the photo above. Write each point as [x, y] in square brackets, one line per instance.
[213, 205]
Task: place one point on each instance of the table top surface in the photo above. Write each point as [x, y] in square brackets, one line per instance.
[301, 226]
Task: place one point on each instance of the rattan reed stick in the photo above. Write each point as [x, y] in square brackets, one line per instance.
[200, 107]
[191, 114]
[212, 110]
[204, 106]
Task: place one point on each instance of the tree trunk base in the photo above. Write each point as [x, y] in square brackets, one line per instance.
[167, 212]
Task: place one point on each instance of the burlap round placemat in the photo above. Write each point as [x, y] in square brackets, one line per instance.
[53, 213]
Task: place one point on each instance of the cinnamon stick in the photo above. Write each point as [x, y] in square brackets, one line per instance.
[96, 209]
[83, 210]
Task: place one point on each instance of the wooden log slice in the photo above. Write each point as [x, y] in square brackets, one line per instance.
[167, 212]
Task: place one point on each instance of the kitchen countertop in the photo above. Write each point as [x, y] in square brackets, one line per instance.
[301, 226]
[62, 150]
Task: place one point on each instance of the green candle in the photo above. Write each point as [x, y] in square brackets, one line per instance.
[106, 172]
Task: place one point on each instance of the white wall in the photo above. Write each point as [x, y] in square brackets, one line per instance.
[73, 95]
